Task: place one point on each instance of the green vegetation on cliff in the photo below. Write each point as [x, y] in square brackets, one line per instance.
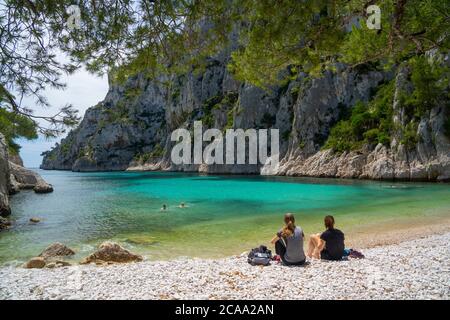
[371, 123]
[223, 102]
[172, 37]
[365, 123]
[156, 153]
[430, 79]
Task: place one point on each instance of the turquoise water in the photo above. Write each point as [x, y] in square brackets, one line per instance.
[224, 214]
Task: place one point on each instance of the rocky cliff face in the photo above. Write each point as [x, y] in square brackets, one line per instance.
[13, 178]
[4, 178]
[131, 128]
[428, 159]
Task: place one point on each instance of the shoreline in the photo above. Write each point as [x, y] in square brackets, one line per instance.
[319, 177]
[410, 269]
[386, 233]
[375, 234]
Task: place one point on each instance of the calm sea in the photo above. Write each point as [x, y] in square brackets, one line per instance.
[224, 215]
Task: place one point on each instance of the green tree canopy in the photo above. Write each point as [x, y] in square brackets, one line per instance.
[124, 37]
[175, 35]
[15, 125]
[28, 64]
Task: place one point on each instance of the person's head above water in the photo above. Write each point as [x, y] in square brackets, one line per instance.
[164, 207]
[329, 222]
[182, 205]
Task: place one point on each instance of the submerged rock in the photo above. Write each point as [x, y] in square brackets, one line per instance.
[56, 250]
[43, 188]
[111, 252]
[141, 240]
[35, 220]
[35, 263]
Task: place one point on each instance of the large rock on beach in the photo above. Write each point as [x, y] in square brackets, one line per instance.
[35, 263]
[51, 257]
[112, 252]
[56, 250]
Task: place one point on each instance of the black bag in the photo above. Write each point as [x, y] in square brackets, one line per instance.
[260, 256]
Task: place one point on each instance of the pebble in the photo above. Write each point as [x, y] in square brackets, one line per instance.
[403, 271]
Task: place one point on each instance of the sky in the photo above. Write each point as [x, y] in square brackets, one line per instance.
[83, 90]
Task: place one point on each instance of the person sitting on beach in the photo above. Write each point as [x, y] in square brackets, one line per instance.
[329, 245]
[289, 242]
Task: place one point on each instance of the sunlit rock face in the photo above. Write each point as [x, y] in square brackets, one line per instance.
[130, 129]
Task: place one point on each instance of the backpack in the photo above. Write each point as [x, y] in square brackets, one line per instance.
[260, 256]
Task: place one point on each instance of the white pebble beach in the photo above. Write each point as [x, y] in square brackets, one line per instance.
[417, 269]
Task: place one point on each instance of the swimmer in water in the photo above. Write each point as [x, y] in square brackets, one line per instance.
[182, 205]
[164, 207]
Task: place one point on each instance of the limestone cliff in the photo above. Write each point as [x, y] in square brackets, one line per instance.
[4, 178]
[13, 177]
[130, 128]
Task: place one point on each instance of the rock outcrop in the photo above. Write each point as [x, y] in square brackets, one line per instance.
[111, 252]
[27, 179]
[51, 257]
[4, 223]
[131, 128]
[14, 177]
[5, 210]
[35, 263]
[56, 250]
[40, 262]
[15, 158]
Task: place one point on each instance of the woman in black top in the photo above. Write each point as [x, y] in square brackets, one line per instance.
[329, 245]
